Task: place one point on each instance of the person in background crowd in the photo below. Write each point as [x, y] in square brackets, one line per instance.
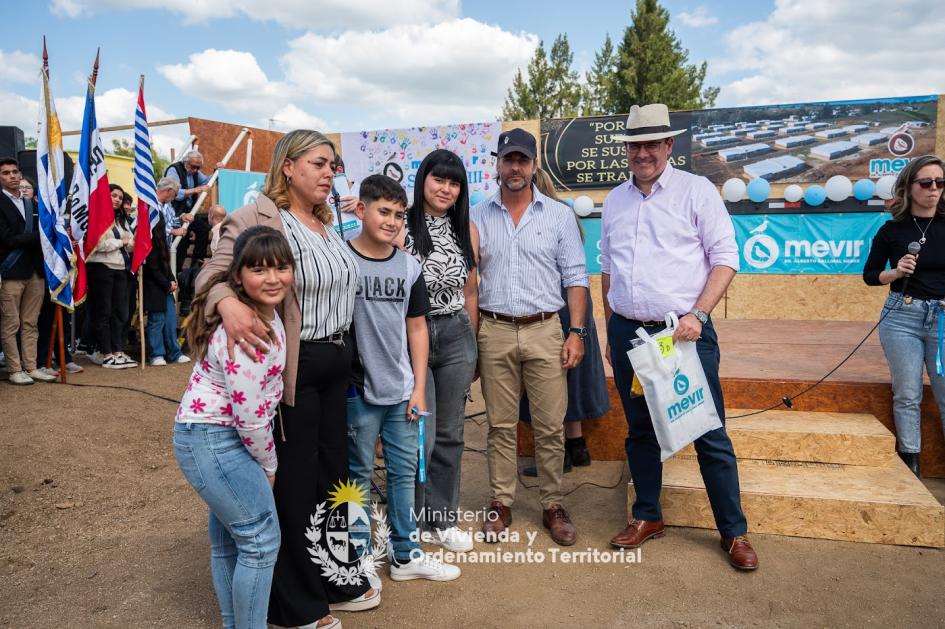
[22, 278]
[588, 398]
[666, 235]
[223, 437]
[167, 189]
[313, 442]
[159, 287]
[440, 236]
[108, 286]
[530, 247]
[192, 183]
[215, 216]
[908, 330]
[28, 191]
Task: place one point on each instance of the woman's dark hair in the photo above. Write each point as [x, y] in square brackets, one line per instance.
[447, 165]
[901, 206]
[119, 211]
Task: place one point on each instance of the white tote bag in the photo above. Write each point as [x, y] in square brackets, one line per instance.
[674, 385]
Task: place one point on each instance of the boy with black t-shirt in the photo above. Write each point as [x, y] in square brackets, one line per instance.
[390, 371]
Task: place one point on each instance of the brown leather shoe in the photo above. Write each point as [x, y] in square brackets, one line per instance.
[498, 518]
[740, 553]
[637, 532]
[557, 520]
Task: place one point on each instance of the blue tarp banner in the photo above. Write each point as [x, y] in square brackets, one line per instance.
[239, 188]
[806, 243]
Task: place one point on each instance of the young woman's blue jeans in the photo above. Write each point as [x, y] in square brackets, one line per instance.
[909, 336]
[243, 527]
[161, 332]
[401, 441]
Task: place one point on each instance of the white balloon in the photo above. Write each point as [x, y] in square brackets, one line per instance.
[583, 205]
[884, 187]
[793, 193]
[839, 188]
[733, 190]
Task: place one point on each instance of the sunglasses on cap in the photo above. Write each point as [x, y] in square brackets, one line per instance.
[926, 182]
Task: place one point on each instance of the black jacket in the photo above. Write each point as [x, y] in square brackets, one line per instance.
[157, 281]
[13, 237]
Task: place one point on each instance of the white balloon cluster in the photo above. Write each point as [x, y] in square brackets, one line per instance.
[838, 188]
[884, 187]
[733, 190]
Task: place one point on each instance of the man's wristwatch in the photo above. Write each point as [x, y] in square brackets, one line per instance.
[582, 332]
[703, 317]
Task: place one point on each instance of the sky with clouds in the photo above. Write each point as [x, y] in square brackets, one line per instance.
[344, 65]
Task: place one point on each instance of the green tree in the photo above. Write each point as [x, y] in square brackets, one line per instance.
[121, 146]
[653, 67]
[600, 80]
[549, 89]
[31, 142]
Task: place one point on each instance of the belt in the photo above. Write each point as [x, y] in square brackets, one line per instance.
[446, 315]
[338, 338]
[524, 320]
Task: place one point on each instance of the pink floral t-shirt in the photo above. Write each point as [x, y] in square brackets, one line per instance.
[242, 393]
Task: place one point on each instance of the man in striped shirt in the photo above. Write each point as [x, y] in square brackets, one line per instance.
[529, 247]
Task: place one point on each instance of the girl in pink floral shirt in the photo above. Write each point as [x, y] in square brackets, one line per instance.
[223, 431]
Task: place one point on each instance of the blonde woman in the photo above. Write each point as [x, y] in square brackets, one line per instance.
[311, 435]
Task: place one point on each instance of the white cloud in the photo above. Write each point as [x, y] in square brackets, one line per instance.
[19, 67]
[314, 14]
[20, 111]
[415, 74]
[698, 18]
[112, 108]
[843, 49]
[291, 117]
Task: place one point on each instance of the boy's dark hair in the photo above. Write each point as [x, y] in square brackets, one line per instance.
[7, 161]
[377, 187]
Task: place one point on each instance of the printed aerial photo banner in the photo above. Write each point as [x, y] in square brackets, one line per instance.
[799, 143]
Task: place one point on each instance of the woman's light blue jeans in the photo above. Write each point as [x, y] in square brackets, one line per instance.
[909, 336]
[243, 526]
[401, 441]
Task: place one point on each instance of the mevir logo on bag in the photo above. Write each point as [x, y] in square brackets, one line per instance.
[686, 401]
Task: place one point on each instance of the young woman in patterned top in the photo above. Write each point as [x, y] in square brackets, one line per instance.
[441, 237]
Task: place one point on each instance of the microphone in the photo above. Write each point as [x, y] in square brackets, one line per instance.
[913, 249]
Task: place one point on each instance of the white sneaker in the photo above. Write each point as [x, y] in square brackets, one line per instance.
[20, 377]
[42, 376]
[74, 368]
[183, 359]
[49, 371]
[424, 568]
[158, 362]
[124, 361]
[98, 358]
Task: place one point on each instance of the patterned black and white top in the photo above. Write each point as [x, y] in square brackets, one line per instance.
[444, 270]
[326, 278]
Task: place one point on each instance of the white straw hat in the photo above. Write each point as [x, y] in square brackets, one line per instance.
[647, 123]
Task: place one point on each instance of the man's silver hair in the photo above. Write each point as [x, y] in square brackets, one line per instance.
[166, 183]
[190, 155]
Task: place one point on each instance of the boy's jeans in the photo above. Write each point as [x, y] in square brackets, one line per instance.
[401, 441]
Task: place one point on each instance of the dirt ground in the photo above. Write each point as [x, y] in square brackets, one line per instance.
[99, 529]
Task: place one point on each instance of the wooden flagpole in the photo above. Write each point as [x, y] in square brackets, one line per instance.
[62, 344]
[141, 307]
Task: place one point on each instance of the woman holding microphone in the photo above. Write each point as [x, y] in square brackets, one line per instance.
[909, 328]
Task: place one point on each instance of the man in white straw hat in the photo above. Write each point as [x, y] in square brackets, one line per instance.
[668, 245]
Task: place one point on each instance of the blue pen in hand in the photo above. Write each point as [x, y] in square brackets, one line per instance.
[422, 471]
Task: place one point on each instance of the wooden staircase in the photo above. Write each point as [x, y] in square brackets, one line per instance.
[807, 474]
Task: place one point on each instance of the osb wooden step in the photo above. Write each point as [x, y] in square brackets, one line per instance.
[785, 435]
[885, 505]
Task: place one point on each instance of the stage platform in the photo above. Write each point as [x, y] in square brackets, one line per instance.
[765, 360]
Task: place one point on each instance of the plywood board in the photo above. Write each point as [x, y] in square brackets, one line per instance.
[840, 438]
[839, 502]
[805, 297]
